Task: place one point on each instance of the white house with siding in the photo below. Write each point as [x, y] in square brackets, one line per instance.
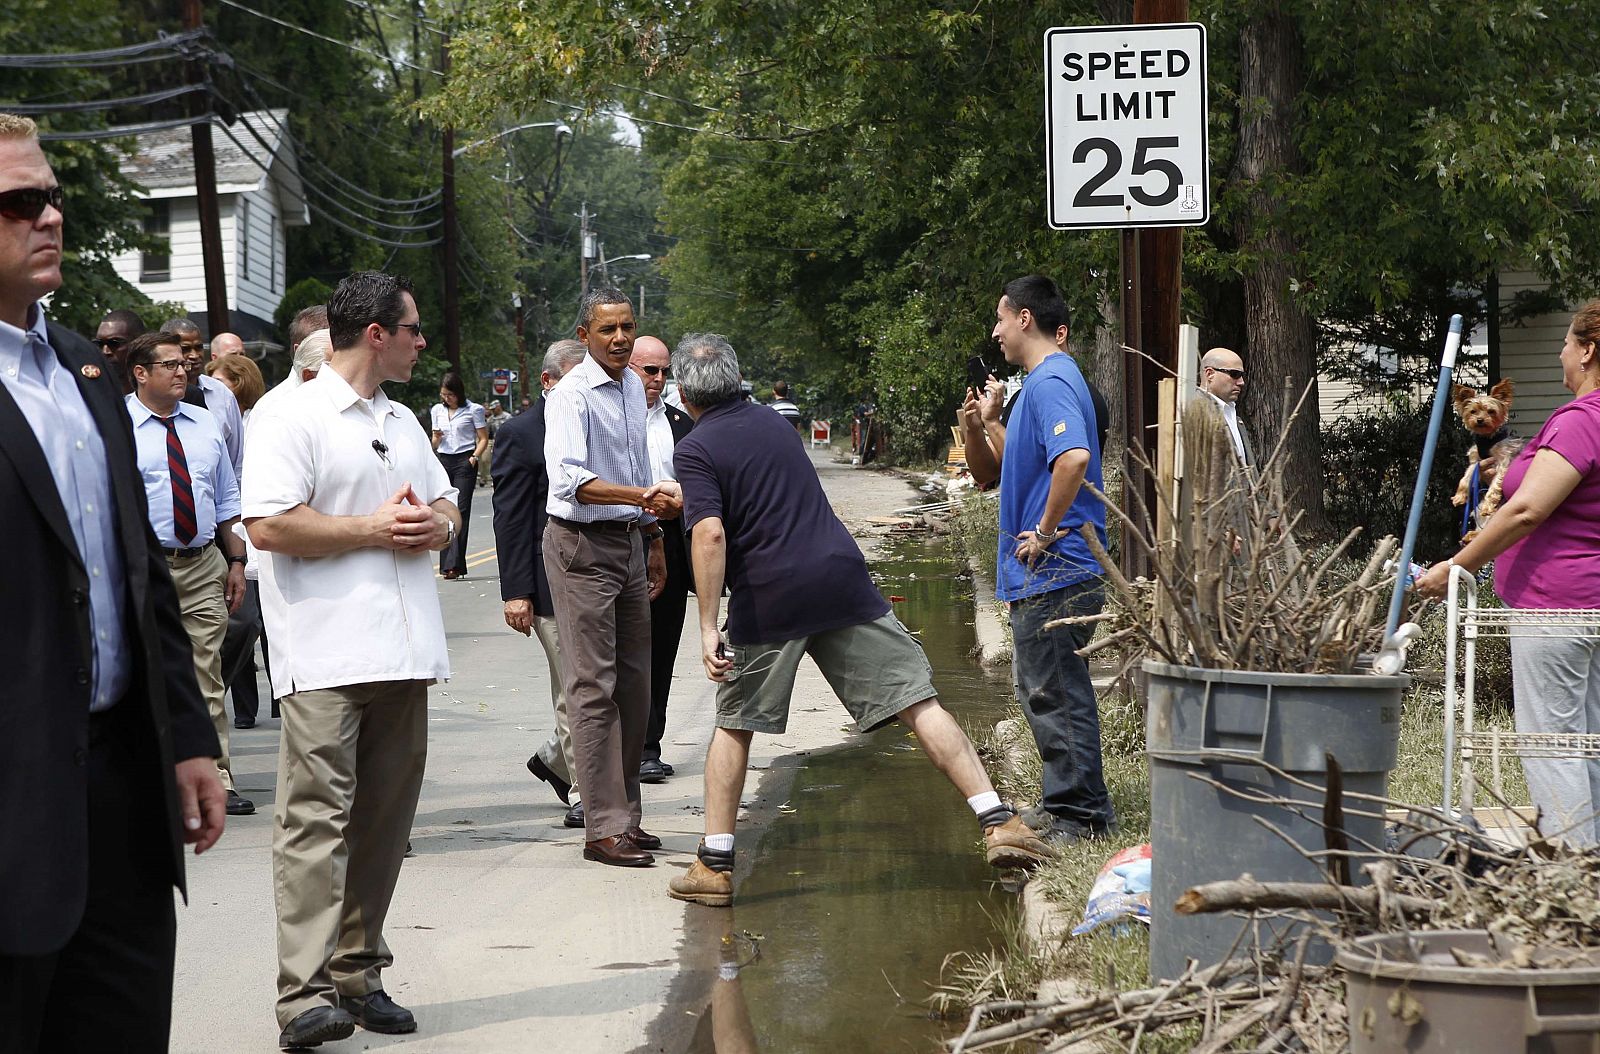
[259, 194]
[1528, 353]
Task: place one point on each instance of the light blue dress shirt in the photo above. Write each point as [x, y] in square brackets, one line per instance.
[595, 428]
[65, 429]
[215, 487]
[230, 422]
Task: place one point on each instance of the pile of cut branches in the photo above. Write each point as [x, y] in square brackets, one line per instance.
[1232, 588]
[1538, 901]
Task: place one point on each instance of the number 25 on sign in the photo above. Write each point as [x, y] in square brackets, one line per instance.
[1125, 126]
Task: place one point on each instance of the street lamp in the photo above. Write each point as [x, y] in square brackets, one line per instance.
[561, 127]
[634, 256]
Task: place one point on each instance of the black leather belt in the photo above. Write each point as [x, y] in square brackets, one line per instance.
[198, 550]
[614, 526]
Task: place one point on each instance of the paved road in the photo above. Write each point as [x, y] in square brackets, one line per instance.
[504, 938]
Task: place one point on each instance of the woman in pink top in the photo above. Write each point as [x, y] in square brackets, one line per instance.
[1546, 544]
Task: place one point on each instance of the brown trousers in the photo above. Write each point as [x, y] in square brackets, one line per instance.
[201, 582]
[597, 582]
[349, 774]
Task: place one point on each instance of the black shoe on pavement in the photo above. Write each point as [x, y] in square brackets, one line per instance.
[574, 816]
[376, 1012]
[244, 722]
[562, 788]
[315, 1027]
[667, 767]
[652, 771]
[238, 806]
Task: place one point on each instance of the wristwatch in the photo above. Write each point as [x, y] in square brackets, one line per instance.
[652, 533]
[237, 560]
[449, 530]
[1046, 536]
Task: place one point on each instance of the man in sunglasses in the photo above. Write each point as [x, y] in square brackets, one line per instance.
[208, 392]
[1222, 378]
[116, 329]
[665, 427]
[106, 764]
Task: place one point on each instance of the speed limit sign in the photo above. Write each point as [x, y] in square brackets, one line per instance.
[1125, 126]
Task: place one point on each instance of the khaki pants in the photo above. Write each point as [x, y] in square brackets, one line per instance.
[201, 581]
[556, 752]
[349, 773]
[602, 603]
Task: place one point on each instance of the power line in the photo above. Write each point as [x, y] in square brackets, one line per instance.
[165, 46]
[124, 131]
[256, 74]
[148, 99]
[355, 191]
[331, 40]
[426, 23]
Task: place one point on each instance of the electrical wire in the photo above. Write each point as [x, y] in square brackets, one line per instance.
[357, 192]
[251, 72]
[124, 131]
[331, 40]
[148, 99]
[165, 46]
[426, 23]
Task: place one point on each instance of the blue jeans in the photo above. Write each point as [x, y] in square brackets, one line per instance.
[1053, 686]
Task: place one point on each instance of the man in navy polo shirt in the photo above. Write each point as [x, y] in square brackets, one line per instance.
[1045, 570]
[798, 586]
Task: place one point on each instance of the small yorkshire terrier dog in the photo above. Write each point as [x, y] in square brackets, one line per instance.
[1484, 414]
[1492, 470]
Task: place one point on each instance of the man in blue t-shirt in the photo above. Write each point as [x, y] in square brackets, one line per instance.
[1045, 570]
[798, 585]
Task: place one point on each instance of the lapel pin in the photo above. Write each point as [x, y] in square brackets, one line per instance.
[90, 371]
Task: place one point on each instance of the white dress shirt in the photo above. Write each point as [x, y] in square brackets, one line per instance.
[658, 431]
[211, 478]
[595, 429]
[458, 429]
[362, 616]
[1230, 414]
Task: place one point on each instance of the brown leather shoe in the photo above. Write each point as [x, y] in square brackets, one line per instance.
[643, 838]
[701, 885]
[619, 851]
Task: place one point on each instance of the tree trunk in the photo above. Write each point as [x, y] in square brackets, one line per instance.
[1281, 351]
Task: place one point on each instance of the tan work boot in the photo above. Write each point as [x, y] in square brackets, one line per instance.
[1015, 844]
[701, 885]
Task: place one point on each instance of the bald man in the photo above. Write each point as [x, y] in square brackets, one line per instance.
[1222, 378]
[225, 344]
[666, 426]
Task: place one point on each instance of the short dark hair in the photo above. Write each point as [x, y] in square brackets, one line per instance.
[604, 294]
[141, 350]
[780, 389]
[362, 298]
[306, 322]
[178, 325]
[1040, 297]
[128, 320]
[451, 382]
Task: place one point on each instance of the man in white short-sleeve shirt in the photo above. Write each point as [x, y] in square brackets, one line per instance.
[342, 488]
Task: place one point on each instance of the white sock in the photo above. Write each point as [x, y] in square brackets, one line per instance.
[722, 843]
[982, 803]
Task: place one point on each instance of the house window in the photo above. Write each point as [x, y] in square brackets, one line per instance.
[157, 266]
[244, 238]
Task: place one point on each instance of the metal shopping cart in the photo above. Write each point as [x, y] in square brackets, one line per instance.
[1466, 624]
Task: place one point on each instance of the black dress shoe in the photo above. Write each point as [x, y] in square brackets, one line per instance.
[562, 788]
[575, 817]
[238, 806]
[244, 722]
[643, 838]
[618, 851]
[668, 769]
[315, 1027]
[376, 1012]
[652, 771]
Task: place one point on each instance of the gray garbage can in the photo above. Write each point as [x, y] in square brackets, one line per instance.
[1223, 724]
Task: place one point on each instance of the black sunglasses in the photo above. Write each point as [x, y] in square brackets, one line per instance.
[109, 342]
[27, 203]
[1237, 375]
[657, 371]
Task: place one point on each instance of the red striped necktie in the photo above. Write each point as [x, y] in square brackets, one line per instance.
[183, 518]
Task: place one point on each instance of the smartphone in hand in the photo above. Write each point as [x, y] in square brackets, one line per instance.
[978, 373]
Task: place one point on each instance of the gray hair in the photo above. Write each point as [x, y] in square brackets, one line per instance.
[562, 356]
[707, 370]
[604, 294]
[312, 352]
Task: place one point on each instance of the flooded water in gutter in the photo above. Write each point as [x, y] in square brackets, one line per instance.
[868, 876]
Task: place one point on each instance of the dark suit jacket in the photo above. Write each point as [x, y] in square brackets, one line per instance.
[677, 547]
[47, 658]
[521, 485]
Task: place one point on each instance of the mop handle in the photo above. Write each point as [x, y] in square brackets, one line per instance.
[1441, 399]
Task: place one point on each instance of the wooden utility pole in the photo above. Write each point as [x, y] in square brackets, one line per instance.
[522, 352]
[583, 251]
[447, 244]
[205, 191]
[1152, 278]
